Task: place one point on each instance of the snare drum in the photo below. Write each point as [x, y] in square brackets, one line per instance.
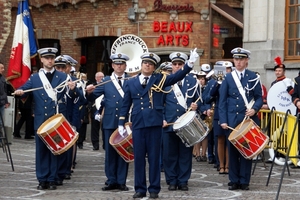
[57, 133]
[248, 139]
[190, 128]
[123, 145]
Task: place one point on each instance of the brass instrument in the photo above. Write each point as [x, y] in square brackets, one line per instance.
[218, 73]
[210, 119]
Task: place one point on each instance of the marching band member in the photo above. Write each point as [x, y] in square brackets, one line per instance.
[115, 167]
[236, 91]
[222, 156]
[145, 93]
[45, 107]
[201, 156]
[95, 125]
[69, 107]
[210, 138]
[177, 158]
[279, 70]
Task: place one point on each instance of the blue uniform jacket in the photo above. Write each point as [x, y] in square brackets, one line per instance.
[112, 101]
[214, 97]
[173, 110]
[231, 106]
[144, 113]
[44, 106]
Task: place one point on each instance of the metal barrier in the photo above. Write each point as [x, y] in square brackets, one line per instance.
[280, 127]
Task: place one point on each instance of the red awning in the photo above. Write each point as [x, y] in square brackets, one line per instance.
[229, 13]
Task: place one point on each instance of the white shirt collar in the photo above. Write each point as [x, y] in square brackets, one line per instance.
[142, 78]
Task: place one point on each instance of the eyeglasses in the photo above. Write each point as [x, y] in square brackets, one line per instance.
[177, 63]
[148, 62]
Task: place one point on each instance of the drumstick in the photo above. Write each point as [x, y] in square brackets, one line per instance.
[33, 89]
[243, 121]
[231, 128]
[172, 123]
[190, 108]
[102, 83]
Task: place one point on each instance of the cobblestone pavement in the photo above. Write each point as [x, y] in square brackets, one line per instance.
[88, 179]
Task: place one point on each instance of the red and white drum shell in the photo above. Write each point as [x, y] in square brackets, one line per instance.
[58, 134]
[248, 139]
[123, 145]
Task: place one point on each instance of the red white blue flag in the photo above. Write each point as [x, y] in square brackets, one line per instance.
[23, 48]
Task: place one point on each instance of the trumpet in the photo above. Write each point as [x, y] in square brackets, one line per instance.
[210, 119]
[217, 74]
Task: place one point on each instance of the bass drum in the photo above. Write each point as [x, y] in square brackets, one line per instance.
[280, 99]
[133, 47]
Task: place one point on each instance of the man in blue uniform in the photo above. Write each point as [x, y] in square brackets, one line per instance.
[116, 168]
[144, 92]
[237, 93]
[177, 158]
[45, 107]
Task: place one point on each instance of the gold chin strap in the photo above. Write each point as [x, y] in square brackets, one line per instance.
[158, 88]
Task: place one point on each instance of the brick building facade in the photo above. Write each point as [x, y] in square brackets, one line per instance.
[89, 27]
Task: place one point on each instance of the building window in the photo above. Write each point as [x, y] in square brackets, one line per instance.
[292, 37]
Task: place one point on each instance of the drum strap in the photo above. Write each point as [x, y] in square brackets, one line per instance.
[47, 86]
[117, 85]
[179, 96]
[240, 88]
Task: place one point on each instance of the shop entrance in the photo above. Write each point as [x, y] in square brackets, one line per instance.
[97, 52]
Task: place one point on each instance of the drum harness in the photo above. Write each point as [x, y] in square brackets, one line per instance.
[52, 92]
[242, 90]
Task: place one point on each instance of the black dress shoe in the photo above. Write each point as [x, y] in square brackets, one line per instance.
[211, 161]
[58, 183]
[244, 187]
[153, 195]
[172, 187]
[139, 195]
[80, 146]
[52, 186]
[234, 186]
[230, 183]
[110, 187]
[183, 187]
[123, 187]
[42, 186]
[17, 136]
[95, 148]
[68, 176]
[29, 138]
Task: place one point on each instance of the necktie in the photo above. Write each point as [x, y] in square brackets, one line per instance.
[120, 82]
[49, 76]
[145, 81]
[241, 77]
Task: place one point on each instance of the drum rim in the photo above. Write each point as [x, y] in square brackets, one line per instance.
[184, 115]
[116, 132]
[39, 131]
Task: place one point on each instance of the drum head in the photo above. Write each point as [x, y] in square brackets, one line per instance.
[240, 130]
[184, 120]
[50, 123]
[279, 98]
[116, 138]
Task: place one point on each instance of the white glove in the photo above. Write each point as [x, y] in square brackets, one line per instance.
[121, 130]
[287, 82]
[193, 57]
[98, 117]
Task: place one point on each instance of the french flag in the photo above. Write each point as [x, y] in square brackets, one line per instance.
[24, 47]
